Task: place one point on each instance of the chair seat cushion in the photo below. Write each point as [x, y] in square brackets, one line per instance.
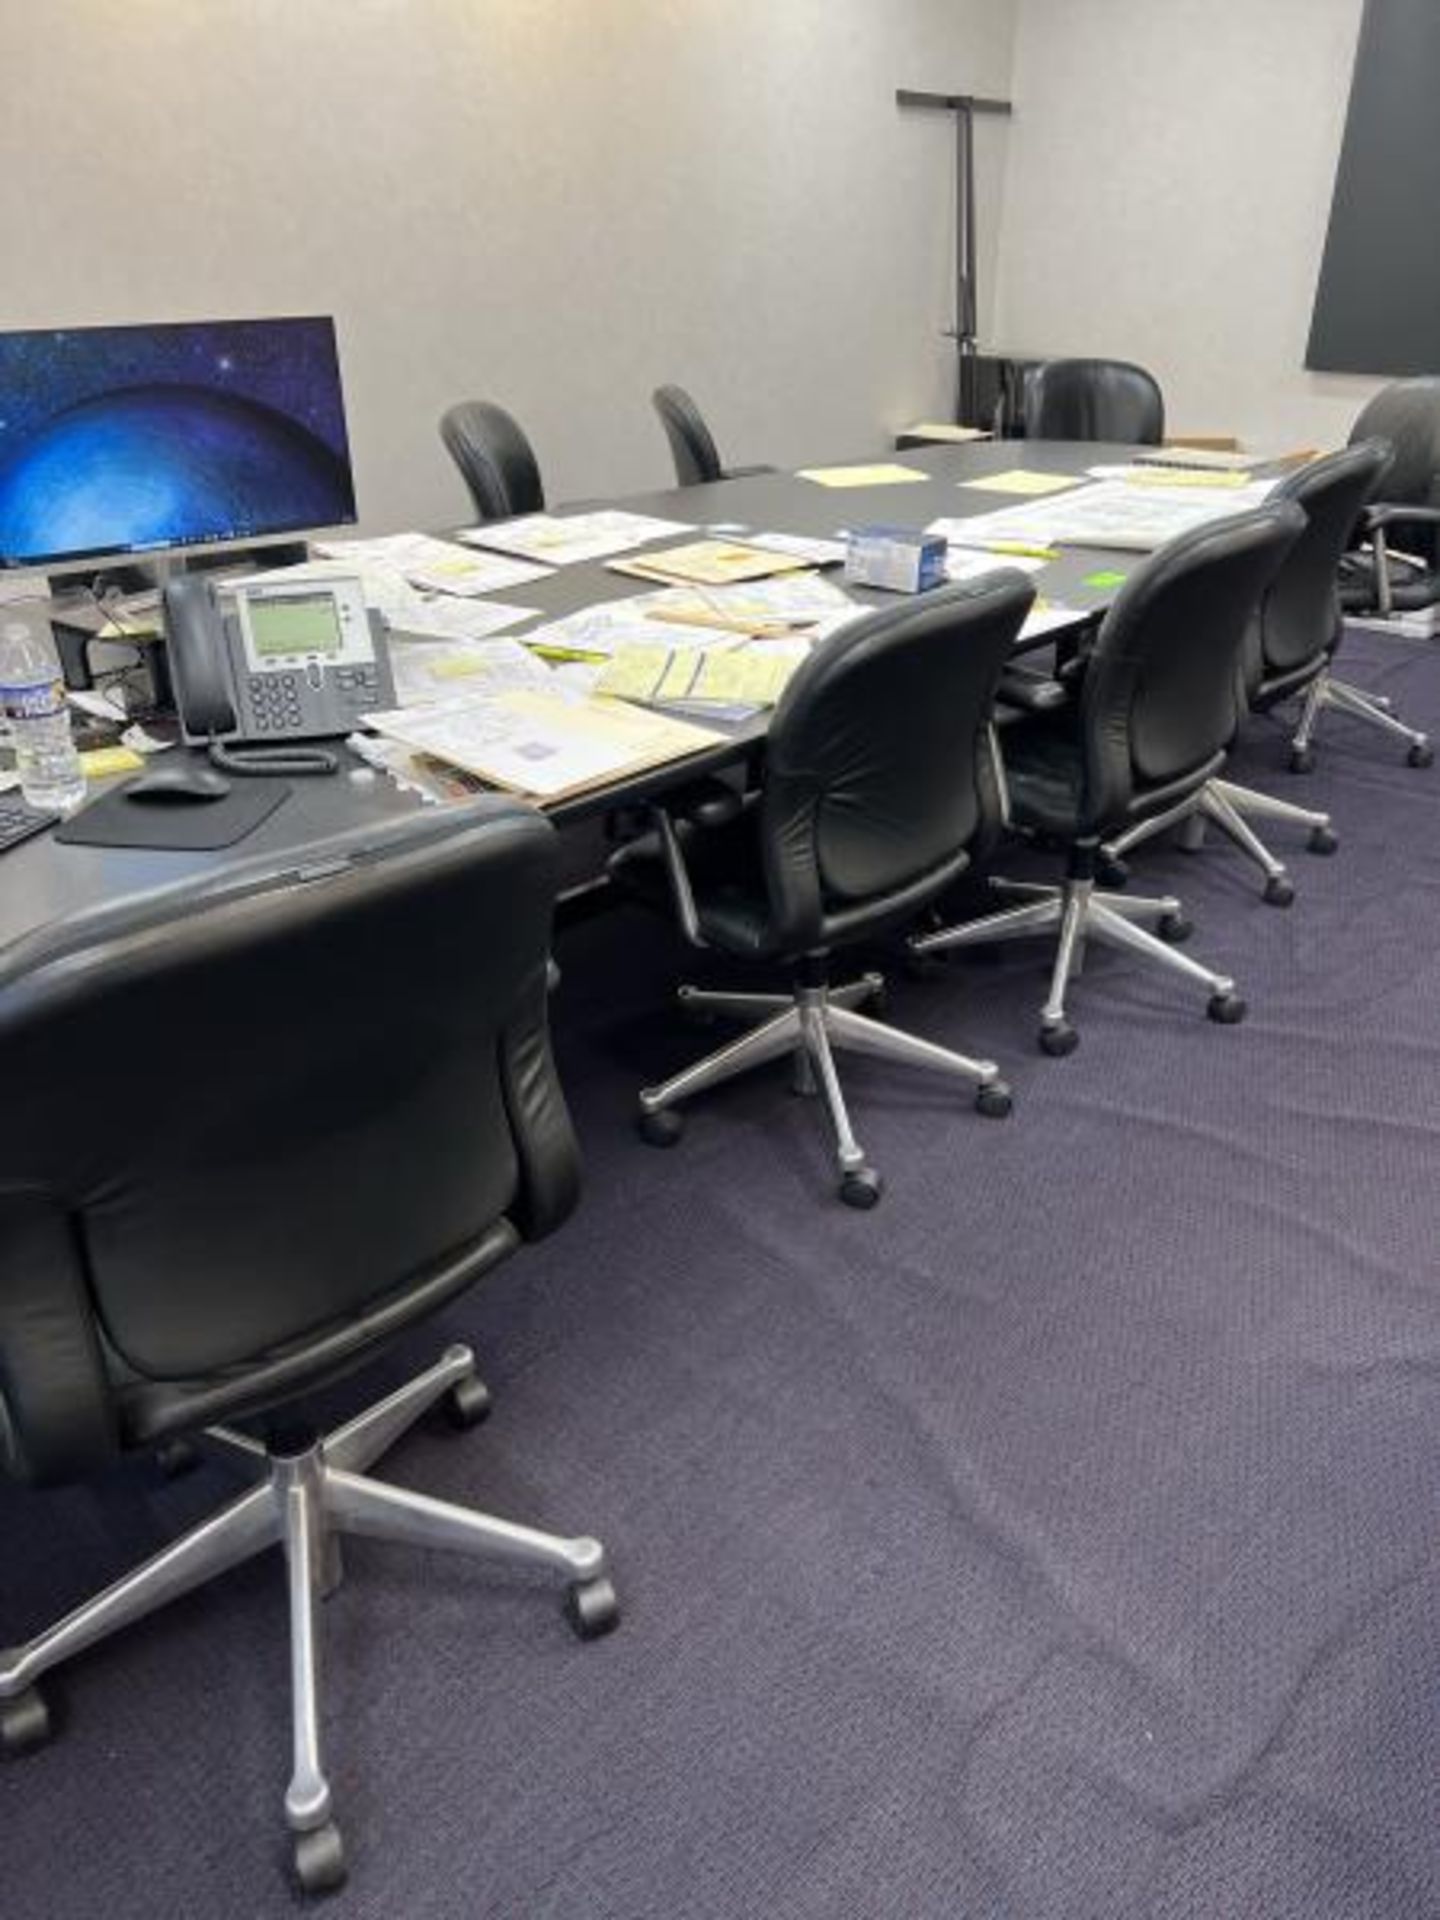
[1280, 684]
[1410, 590]
[1044, 771]
[725, 877]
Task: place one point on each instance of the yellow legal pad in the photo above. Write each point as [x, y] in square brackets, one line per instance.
[725, 676]
[1022, 480]
[887, 474]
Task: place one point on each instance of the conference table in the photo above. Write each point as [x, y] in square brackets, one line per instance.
[43, 884]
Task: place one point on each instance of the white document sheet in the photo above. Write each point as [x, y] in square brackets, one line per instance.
[431, 672]
[562, 540]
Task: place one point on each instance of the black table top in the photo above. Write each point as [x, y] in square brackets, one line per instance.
[42, 882]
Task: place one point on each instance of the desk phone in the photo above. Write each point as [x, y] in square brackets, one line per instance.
[274, 661]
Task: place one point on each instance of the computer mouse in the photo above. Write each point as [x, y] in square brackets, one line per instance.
[185, 784]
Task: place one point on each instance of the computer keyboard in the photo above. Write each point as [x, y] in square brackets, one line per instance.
[18, 821]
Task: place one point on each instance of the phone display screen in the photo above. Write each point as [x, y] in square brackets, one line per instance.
[301, 623]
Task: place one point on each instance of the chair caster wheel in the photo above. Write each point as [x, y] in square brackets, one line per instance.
[1302, 760]
[24, 1722]
[1227, 1009]
[878, 1002]
[994, 1100]
[1112, 871]
[860, 1187]
[1322, 840]
[1422, 754]
[1279, 892]
[1175, 928]
[660, 1126]
[320, 1859]
[592, 1608]
[467, 1404]
[175, 1458]
[1059, 1039]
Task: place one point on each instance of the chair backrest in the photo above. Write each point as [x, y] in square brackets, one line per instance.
[1093, 400]
[1160, 695]
[1298, 620]
[692, 447]
[1407, 414]
[341, 1109]
[497, 462]
[878, 769]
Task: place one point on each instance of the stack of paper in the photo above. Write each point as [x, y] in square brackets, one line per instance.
[709, 563]
[563, 541]
[1107, 513]
[438, 565]
[796, 603]
[543, 746]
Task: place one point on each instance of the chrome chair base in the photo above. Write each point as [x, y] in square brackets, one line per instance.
[1225, 805]
[308, 1500]
[810, 1025]
[1375, 709]
[1080, 912]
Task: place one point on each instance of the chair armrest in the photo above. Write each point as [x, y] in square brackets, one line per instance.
[1031, 690]
[711, 802]
[1384, 514]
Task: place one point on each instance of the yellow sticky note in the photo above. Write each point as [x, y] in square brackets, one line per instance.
[100, 761]
[884, 475]
[1022, 480]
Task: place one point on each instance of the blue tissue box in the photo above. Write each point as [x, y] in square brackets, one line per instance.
[896, 558]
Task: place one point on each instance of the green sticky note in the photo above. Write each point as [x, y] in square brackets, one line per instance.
[1107, 578]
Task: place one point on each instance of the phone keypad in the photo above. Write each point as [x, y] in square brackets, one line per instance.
[275, 702]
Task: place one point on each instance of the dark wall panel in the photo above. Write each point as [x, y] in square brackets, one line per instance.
[1377, 307]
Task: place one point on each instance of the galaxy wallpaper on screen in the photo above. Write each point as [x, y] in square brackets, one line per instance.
[116, 439]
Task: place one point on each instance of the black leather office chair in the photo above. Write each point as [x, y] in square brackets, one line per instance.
[1093, 400]
[496, 460]
[1156, 712]
[366, 1122]
[879, 778]
[692, 445]
[1376, 579]
[1289, 650]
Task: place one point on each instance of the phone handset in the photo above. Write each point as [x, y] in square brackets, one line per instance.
[197, 657]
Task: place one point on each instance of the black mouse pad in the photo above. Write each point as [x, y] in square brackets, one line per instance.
[188, 826]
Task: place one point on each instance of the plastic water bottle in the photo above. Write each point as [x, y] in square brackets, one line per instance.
[32, 698]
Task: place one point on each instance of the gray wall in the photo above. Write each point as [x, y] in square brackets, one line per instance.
[1166, 198]
[555, 203]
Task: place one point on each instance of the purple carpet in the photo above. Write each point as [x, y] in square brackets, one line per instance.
[1060, 1541]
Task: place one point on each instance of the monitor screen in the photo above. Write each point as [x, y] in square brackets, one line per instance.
[131, 439]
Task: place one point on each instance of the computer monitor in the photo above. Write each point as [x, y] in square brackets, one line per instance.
[137, 439]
